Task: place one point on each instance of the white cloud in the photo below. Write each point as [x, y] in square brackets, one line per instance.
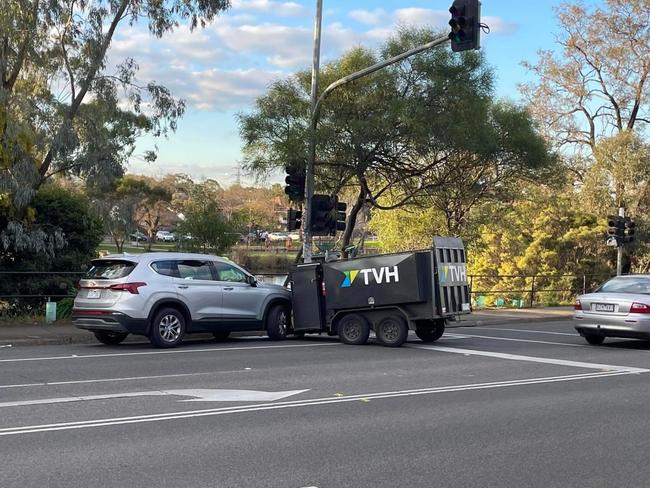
[216, 89]
[283, 9]
[421, 16]
[499, 26]
[283, 46]
[371, 17]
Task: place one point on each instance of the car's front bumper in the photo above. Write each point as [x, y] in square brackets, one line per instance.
[108, 321]
[636, 326]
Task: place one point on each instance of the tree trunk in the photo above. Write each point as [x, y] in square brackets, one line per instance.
[352, 221]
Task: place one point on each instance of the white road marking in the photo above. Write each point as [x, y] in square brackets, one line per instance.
[295, 404]
[533, 359]
[199, 395]
[128, 378]
[154, 353]
[530, 331]
[524, 340]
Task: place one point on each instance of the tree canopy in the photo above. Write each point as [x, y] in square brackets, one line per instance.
[412, 130]
[63, 109]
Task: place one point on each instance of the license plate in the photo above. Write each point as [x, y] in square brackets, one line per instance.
[94, 293]
[603, 307]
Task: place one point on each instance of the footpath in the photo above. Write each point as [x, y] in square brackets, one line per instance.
[63, 332]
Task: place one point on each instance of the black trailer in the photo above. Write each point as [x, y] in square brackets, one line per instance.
[388, 293]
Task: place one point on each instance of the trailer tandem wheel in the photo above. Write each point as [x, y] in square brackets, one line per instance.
[392, 331]
[353, 329]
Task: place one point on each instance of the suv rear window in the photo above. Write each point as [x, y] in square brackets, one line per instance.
[165, 268]
[109, 269]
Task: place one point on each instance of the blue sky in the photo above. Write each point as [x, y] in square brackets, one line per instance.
[221, 69]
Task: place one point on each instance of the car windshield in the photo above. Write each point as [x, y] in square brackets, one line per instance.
[106, 269]
[639, 285]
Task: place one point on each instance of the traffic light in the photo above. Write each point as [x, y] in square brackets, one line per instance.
[341, 207]
[295, 181]
[629, 231]
[465, 25]
[294, 219]
[616, 227]
[322, 207]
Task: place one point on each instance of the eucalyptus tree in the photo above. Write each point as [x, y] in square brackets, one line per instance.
[62, 108]
[408, 131]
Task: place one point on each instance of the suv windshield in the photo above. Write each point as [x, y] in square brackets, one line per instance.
[640, 285]
[107, 269]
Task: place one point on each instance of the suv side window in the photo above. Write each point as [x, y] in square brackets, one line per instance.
[226, 272]
[165, 268]
[195, 270]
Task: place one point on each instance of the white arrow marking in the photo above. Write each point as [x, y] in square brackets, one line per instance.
[204, 395]
[233, 395]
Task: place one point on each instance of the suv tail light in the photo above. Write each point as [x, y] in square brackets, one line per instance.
[130, 287]
[577, 305]
[639, 308]
[323, 288]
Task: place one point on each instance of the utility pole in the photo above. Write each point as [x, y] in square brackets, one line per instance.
[309, 171]
[619, 249]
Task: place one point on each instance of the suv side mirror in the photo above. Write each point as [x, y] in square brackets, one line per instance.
[252, 280]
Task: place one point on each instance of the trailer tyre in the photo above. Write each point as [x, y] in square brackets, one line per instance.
[392, 331]
[353, 329]
[430, 333]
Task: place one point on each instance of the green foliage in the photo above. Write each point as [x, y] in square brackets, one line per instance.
[63, 111]
[421, 132]
[64, 308]
[68, 214]
[209, 229]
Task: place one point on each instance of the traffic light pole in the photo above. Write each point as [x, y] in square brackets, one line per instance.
[619, 249]
[309, 171]
[309, 184]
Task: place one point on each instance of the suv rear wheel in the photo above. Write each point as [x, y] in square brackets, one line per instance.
[167, 328]
[277, 322]
[110, 338]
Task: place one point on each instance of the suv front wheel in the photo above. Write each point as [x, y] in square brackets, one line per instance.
[167, 328]
[277, 322]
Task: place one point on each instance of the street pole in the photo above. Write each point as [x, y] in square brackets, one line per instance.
[619, 248]
[309, 171]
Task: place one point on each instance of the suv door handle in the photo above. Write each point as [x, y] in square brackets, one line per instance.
[183, 286]
[228, 288]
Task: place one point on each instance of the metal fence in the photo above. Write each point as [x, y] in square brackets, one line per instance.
[530, 288]
[42, 285]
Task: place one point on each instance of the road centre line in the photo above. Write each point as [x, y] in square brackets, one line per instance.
[299, 403]
[128, 378]
[153, 353]
[528, 330]
[532, 359]
[524, 340]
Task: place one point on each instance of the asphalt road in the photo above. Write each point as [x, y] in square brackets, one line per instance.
[518, 405]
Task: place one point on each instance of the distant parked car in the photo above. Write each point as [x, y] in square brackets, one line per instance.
[295, 236]
[277, 236]
[166, 296]
[165, 236]
[620, 307]
[138, 237]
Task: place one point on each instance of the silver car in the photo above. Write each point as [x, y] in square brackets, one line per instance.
[620, 307]
[166, 295]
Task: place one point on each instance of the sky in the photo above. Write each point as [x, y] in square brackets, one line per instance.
[220, 70]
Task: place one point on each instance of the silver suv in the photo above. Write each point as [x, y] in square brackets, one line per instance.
[166, 295]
